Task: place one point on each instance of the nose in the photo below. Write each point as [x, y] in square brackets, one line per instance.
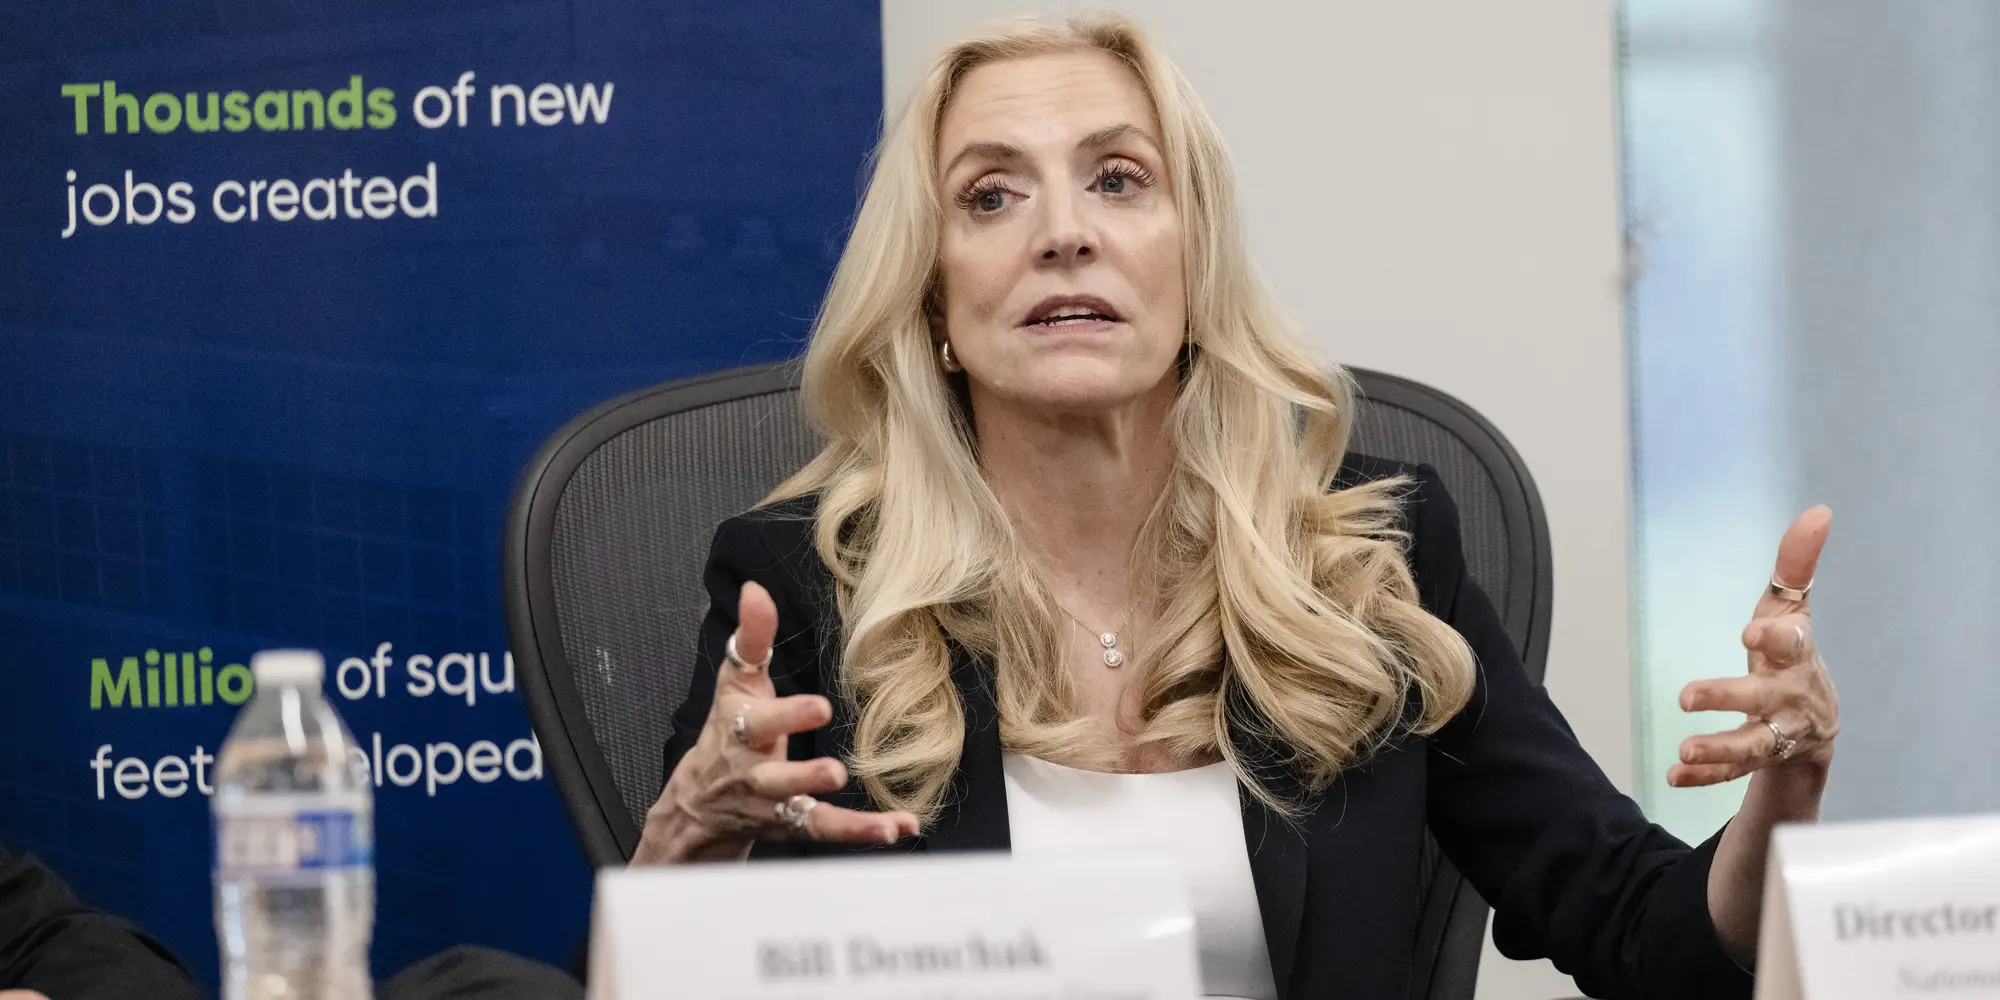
[1066, 238]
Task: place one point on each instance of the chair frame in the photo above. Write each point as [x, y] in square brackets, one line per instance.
[1447, 950]
[570, 750]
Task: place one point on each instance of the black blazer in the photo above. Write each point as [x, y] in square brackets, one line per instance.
[1574, 871]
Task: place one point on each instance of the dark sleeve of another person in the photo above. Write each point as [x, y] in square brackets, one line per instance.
[52, 943]
[1574, 871]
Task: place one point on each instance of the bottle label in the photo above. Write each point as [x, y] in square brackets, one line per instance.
[303, 841]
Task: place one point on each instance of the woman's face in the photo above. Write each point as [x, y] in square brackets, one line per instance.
[1060, 255]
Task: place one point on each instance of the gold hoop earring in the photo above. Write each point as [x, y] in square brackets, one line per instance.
[945, 359]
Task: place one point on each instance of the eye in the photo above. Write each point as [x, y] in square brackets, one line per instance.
[985, 197]
[1120, 178]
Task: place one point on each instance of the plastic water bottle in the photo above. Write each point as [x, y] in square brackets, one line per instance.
[294, 843]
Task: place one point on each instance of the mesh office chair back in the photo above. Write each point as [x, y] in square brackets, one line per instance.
[611, 523]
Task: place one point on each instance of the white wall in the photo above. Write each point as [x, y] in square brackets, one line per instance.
[1432, 187]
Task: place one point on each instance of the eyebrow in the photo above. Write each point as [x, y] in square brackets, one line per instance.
[1001, 152]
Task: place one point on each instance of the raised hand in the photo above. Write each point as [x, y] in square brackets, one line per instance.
[1793, 711]
[736, 786]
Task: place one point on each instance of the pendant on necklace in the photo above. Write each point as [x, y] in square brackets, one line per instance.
[1112, 656]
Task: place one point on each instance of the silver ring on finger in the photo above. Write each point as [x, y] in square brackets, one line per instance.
[793, 812]
[740, 726]
[1796, 595]
[1783, 747]
[736, 659]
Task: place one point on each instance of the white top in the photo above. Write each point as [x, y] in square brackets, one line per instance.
[1193, 816]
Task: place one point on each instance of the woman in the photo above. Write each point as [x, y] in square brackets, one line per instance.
[1082, 563]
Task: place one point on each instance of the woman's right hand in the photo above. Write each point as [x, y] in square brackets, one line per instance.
[727, 792]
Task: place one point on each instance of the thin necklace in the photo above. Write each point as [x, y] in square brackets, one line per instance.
[1113, 656]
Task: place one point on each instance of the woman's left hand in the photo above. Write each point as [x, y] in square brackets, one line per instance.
[1787, 695]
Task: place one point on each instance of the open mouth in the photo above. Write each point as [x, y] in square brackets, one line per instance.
[1070, 311]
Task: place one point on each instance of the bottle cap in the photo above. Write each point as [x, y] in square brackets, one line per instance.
[288, 668]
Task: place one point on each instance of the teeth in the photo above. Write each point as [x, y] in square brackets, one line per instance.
[1066, 312]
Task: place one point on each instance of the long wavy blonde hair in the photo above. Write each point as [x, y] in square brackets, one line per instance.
[1287, 618]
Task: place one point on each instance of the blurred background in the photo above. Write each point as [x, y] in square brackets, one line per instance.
[1810, 190]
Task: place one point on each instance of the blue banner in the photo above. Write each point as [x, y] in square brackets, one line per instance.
[292, 291]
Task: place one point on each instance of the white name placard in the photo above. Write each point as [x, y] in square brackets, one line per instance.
[979, 927]
[1875, 910]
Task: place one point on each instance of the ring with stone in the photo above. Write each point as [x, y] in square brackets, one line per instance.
[793, 811]
[1784, 746]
